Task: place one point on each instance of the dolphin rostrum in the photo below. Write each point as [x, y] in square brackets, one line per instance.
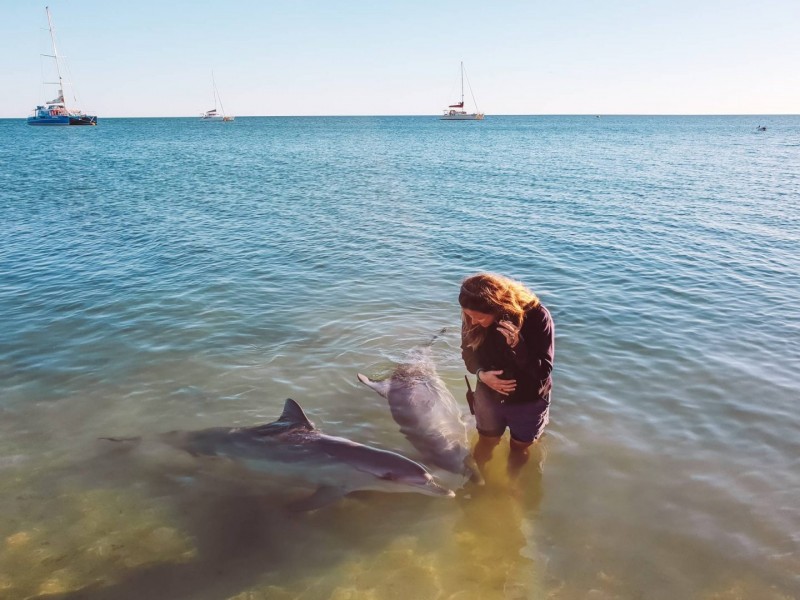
[428, 415]
[293, 448]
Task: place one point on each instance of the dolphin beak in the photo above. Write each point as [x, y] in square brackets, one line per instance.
[434, 489]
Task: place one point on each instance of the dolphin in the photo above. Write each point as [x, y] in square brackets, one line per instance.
[428, 415]
[293, 449]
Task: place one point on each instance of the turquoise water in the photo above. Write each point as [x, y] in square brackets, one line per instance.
[160, 274]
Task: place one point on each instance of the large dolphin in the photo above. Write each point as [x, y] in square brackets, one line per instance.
[428, 415]
[292, 449]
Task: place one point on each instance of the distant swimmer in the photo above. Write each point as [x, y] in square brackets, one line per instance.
[761, 128]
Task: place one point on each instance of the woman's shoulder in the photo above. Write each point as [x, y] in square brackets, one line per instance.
[537, 316]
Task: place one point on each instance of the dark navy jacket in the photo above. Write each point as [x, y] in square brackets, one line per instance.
[530, 363]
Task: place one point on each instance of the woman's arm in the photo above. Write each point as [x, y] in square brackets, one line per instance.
[536, 348]
[470, 358]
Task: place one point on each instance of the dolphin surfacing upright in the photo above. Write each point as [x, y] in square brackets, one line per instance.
[293, 448]
[428, 415]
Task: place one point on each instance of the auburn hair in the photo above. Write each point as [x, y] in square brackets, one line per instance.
[494, 295]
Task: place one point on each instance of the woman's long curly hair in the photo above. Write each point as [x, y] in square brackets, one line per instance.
[493, 295]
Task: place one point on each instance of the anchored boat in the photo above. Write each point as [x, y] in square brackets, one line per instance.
[56, 112]
[213, 114]
[456, 112]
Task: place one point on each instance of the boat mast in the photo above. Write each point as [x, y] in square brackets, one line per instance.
[55, 56]
[462, 85]
[216, 95]
[214, 89]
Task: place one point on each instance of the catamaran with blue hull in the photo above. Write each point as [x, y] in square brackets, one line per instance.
[56, 112]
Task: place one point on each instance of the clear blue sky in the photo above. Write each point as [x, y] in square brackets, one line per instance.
[329, 57]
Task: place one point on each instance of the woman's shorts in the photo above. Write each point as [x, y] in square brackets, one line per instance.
[525, 420]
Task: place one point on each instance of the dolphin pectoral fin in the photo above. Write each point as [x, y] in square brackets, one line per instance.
[322, 497]
[117, 446]
[121, 444]
[382, 387]
[130, 440]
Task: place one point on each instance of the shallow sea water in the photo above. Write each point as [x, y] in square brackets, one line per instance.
[160, 274]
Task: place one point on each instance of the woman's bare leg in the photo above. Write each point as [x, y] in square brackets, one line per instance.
[483, 450]
[517, 458]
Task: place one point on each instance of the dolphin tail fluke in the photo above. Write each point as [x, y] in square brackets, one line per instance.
[382, 387]
[324, 496]
[435, 336]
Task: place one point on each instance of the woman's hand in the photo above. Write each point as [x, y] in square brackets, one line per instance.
[510, 332]
[501, 386]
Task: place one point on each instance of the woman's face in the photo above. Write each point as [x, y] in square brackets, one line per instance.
[475, 317]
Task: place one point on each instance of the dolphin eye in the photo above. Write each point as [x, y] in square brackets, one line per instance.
[388, 476]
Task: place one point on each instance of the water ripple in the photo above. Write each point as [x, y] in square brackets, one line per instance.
[194, 276]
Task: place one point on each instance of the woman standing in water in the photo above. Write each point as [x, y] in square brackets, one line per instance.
[508, 342]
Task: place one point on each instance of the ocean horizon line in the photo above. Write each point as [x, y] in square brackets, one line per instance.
[427, 115]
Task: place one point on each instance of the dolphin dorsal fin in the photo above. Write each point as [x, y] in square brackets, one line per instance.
[294, 416]
[291, 418]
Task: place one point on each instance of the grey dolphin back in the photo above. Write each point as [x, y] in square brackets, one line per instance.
[428, 415]
[290, 452]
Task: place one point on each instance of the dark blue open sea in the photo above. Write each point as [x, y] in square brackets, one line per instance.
[160, 274]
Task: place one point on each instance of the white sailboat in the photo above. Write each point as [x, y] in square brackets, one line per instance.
[456, 112]
[214, 114]
[56, 111]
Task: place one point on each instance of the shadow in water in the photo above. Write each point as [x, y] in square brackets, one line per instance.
[497, 528]
[243, 537]
[241, 532]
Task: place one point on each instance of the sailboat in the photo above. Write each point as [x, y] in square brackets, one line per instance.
[56, 112]
[456, 112]
[213, 114]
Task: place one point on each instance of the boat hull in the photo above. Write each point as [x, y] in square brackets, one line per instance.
[63, 120]
[463, 117]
